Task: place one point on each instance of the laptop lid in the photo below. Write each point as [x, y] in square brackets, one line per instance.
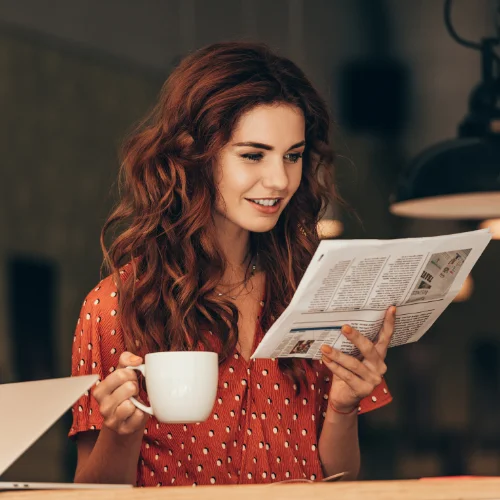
[28, 409]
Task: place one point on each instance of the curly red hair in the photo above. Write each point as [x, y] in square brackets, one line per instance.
[164, 218]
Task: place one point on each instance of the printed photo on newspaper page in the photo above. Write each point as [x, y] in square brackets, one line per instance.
[355, 281]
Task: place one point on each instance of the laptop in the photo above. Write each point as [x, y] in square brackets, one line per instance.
[28, 410]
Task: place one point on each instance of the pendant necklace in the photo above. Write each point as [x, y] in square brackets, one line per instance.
[242, 285]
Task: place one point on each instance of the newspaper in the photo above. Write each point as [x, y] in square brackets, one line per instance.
[354, 282]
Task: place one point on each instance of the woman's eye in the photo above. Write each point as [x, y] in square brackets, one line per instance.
[252, 156]
[293, 157]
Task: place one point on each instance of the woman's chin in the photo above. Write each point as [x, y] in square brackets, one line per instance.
[260, 226]
[253, 224]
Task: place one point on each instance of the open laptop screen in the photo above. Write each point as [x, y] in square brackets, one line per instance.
[30, 408]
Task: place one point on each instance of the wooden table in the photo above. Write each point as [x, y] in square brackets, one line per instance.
[427, 489]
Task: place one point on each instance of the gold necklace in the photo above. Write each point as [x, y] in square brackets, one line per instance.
[243, 284]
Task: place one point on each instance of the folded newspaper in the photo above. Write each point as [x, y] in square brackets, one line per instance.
[354, 282]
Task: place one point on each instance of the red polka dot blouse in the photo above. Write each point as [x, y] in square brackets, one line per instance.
[259, 430]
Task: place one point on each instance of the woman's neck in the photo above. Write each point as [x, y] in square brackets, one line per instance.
[234, 242]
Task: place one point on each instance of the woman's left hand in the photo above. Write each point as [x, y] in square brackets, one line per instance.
[354, 379]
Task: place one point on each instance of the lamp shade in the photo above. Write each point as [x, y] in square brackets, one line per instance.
[455, 179]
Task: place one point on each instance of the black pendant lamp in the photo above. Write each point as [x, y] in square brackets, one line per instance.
[460, 178]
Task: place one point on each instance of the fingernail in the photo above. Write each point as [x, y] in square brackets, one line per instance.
[393, 310]
[346, 330]
[134, 358]
[326, 349]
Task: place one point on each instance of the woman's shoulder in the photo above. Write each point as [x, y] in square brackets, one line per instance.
[98, 340]
[104, 296]
[99, 323]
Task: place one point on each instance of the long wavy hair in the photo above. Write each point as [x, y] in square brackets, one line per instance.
[163, 224]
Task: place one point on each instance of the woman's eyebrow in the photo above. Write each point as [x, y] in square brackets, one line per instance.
[267, 147]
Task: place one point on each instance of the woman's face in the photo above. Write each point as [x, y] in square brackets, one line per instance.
[260, 168]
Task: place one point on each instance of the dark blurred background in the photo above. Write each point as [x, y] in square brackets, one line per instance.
[75, 76]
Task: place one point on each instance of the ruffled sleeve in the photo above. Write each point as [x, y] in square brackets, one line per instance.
[97, 345]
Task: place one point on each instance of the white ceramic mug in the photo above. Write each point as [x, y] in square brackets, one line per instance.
[181, 385]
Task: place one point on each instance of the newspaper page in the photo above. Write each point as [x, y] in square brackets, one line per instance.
[354, 282]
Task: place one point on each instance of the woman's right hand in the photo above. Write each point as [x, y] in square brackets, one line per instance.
[113, 395]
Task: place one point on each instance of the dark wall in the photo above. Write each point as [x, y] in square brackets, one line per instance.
[75, 76]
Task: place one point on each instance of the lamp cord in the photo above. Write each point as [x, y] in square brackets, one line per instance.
[469, 43]
[496, 15]
[452, 32]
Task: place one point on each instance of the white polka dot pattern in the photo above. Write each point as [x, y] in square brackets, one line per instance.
[260, 429]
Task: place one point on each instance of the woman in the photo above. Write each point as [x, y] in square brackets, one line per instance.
[222, 188]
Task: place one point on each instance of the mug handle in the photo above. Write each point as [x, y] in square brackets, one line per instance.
[138, 404]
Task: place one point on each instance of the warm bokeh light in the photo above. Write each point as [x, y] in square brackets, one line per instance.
[466, 290]
[493, 225]
[463, 206]
[329, 228]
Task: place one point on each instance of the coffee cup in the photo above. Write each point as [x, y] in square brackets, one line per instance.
[181, 385]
